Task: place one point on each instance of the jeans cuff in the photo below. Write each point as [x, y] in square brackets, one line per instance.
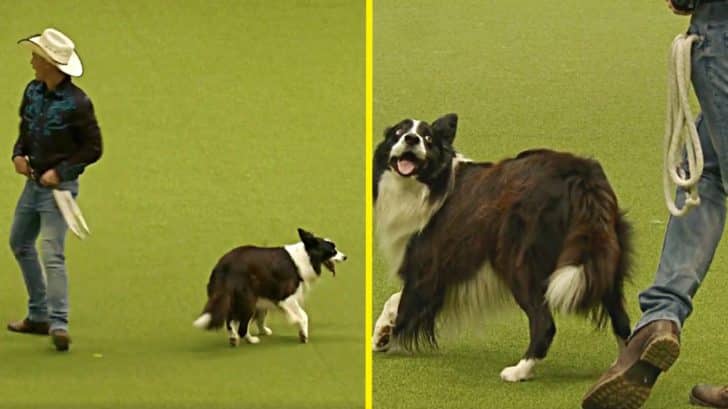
[650, 318]
[58, 325]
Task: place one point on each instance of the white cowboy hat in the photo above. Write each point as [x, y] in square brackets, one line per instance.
[56, 48]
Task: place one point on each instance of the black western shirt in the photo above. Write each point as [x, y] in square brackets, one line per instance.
[58, 130]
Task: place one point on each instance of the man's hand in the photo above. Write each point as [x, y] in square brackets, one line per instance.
[677, 11]
[21, 165]
[50, 178]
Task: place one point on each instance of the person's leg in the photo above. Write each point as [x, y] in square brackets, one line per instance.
[53, 230]
[23, 235]
[690, 241]
[709, 75]
[710, 80]
[689, 245]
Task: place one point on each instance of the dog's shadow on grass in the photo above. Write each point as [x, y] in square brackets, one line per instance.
[489, 361]
[213, 346]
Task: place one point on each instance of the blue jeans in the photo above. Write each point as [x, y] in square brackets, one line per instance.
[691, 240]
[37, 214]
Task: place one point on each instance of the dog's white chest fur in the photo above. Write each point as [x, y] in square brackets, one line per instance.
[302, 261]
[402, 209]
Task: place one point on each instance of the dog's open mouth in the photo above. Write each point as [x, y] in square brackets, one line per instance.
[407, 164]
[330, 266]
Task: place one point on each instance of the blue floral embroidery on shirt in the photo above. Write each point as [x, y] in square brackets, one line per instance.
[57, 107]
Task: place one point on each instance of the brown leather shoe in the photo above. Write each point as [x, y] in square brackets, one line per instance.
[61, 339]
[710, 396]
[627, 384]
[27, 326]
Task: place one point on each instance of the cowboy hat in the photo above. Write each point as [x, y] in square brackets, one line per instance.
[56, 48]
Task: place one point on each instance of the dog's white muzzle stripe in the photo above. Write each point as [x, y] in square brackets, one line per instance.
[339, 257]
[402, 147]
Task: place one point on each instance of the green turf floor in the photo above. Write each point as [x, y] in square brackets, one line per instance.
[584, 76]
[224, 123]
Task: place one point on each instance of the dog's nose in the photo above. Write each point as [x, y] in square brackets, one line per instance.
[411, 139]
[345, 257]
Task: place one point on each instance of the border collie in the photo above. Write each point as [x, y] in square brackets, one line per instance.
[248, 281]
[543, 227]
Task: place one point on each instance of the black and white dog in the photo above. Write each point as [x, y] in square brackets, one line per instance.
[249, 280]
[543, 227]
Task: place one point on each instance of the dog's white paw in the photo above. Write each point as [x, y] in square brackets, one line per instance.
[520, 372]
[234, 341]
[303, 337]
[381, 338]
[252, 339]
[266, 331]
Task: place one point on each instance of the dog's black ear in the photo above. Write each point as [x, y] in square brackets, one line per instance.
[305, 236]
[445, 127]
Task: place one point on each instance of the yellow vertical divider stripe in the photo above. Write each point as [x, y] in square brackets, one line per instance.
[369, 90]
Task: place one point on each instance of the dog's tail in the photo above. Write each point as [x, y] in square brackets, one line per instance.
[595, 258]
[219, 302]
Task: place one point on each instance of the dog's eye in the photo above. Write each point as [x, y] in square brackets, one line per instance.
[399, 132]
[428, 139]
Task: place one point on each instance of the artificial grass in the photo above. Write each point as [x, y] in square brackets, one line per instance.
[587, 77]
[224, 123]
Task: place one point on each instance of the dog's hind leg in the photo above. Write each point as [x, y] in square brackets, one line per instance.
[542, 330]
[246, 319]
[260, 314]
[385, 324]
[296, 315]
[614, 305]
[243, 311]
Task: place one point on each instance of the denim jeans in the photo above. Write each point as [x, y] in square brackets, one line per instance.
[691, 240]
[37, 214]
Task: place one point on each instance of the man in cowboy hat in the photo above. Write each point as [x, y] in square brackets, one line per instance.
[58, 138]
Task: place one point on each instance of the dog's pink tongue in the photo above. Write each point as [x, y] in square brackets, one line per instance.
[405, 167]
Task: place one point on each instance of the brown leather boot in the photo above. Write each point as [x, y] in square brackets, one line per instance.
[627, 384]
[710, 396]
[27, 326]
[61, 339]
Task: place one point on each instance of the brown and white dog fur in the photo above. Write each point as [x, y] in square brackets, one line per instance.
[543, 228]
[248, 281]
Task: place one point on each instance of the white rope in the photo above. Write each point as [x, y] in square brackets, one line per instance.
[71, 213]
[680, 117]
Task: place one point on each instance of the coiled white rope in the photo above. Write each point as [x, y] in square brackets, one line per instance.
[680, 117]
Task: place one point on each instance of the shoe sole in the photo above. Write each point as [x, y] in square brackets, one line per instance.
[61, 342]
[631, 388]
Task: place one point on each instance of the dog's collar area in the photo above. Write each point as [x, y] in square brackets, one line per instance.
[302, 261]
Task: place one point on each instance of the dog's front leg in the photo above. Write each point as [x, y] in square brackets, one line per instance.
[296, 315]
[385, 324]
[233, 336]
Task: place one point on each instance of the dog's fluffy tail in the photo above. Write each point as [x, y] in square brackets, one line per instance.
[204, 321]
[218, 305]
[595, 259]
